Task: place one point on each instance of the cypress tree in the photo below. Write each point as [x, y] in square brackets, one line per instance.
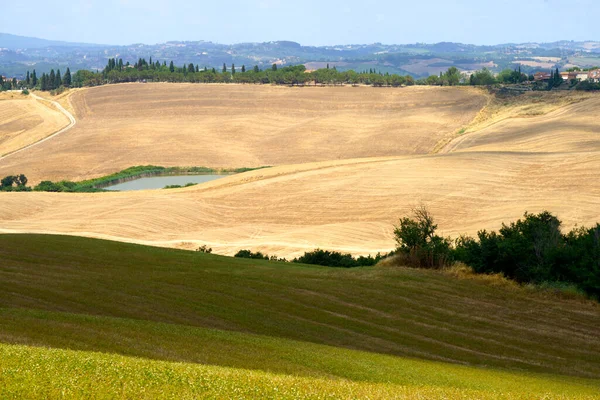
[243, 68]
[256, 69]
[51, 80]
[67, 78]
[274, 67]
[184, 69]
[191, 68]
[205, 69]
[171, 67]
[214, 71]
[58, 82]
[232, 69]
[28, 79]
[34, 79]
[224, 68]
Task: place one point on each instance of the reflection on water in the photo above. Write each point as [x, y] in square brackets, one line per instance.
[159, 182]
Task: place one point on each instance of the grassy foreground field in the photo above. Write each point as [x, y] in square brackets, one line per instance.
[271, 329]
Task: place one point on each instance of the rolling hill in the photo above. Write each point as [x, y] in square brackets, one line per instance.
[85, 317]
[541, 155]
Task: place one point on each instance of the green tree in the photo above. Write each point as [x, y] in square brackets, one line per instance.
[58, 80]
[483, 77]
[452, 76]
[224, 68]
[274, 67]
[172, 67]
[28, 79]
[243, 68]
[232, 69]
[34, 79]
[418, 243]
[51, 80]
[256, 70]
[67, 78]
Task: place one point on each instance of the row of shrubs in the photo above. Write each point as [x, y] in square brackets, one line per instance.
[320, 257]
[530, 250]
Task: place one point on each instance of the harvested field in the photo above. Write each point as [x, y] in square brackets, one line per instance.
[528, 153]
[242, 126]
[347, 205]
[25, 120]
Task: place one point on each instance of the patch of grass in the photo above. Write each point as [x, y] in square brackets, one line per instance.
[29, 372]
[396, 311]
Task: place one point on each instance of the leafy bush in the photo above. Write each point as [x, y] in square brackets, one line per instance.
[248, 254]
[336, 259]
[204, 249]
[14, 183]
[533, 250]
[419, 245]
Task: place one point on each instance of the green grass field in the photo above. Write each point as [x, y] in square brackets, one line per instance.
[90, 318]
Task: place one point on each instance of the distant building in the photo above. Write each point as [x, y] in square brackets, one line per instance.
[569, 76]
[542, 76]
[582, 75]
[594, 75]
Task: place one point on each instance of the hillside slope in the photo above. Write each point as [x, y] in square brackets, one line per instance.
[242, 126]
[348, 205]
[25, 120]
[396, 311]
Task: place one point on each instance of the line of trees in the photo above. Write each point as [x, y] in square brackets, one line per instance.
[116, 71]
[530, 250]
[52, 81]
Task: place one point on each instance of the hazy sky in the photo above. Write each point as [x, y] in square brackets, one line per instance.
[310, 22]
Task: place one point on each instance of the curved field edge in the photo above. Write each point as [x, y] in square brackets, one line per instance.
[396, 311]
[30, 372]
[29, 120]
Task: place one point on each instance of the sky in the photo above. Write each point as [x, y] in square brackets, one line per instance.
[309, 22]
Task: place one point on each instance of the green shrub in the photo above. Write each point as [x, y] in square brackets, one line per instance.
[336, 259]
[418, 244]
[248, 254]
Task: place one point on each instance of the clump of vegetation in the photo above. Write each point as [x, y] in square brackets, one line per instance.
[25, 92]
[532, 250]
[249, 254]
[337, 259]
[325, 258]
[418, 245]
[14, 183]
[204, 249]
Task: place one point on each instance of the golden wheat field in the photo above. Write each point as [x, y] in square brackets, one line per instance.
[348, 162]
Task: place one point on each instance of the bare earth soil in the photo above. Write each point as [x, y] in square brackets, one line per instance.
[479, 180]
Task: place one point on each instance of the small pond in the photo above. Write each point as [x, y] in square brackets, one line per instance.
[159, 182]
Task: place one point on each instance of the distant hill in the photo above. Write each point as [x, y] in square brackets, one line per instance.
[19, 53]
[15, 42]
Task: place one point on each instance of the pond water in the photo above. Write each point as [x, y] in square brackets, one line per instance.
[159, 182]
